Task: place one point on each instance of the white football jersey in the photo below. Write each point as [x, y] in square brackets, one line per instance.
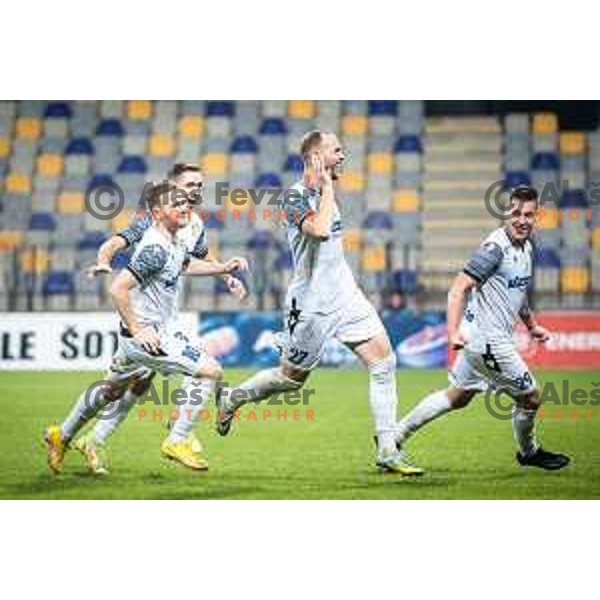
[322, 281]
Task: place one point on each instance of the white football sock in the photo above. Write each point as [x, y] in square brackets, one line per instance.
[113, 415]
[89, 403]
[196, 389]
[523, 424]
[431, 407]
[260, 386]
[384, 401]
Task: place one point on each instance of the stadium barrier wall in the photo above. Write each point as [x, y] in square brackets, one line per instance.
[63, 341]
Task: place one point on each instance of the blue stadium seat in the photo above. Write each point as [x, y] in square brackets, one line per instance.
[383, 107]
[42, 222]
[220, 108]
[273, 127]
[408, 143]
[546, 257]
[80, 146]
[294, 163]
[285, 261]
[244, 144]
[58, 110]
[91, 240]
[101, 179]
[59, 282]
[110, 127]
[132, 164]
[213, 222]
[268, 180]
[378, 220]
[574, 199]
[515, 178]
[545, 161]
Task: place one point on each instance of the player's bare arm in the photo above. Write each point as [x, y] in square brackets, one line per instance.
[105, 255]
[536, 331]
[234, 285]
[457, 298]
[120, 291]
[202, 267]
[319, 224]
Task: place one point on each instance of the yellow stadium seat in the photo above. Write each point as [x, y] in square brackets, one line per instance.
[301, 109]
[191, 126]
[18, 183]
[242, 203]
[354, 125]
[547, 218]
[380, 162]
[29, 128]
[405, 201]
[70, 202]
[9, 240]
[4, 147]
[575, 280]
[215, 164]
[596, 238]
[373, 259]
[162, 145]
[572, 143]
[352, 181]
[139, 110]
[121, 221]
[35, 261]
[545, 123]
[50, 165]
[352, 239]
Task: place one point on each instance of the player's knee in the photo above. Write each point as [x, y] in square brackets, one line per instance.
[460, 398]
[210, 369]
[296, 377]
[530, 401]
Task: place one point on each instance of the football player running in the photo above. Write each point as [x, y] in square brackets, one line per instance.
[324, 302]
[495, 279]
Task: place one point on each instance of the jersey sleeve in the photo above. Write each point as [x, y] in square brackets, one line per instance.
[484, 261]
[136, 229]
[200, 249]
[148, 262]
[296, 208]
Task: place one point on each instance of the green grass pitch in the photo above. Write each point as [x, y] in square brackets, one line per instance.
[466, 455]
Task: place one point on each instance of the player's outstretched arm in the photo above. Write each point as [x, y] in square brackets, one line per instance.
[457, 297]
[105, 255]
[203, 267]
[120, 290]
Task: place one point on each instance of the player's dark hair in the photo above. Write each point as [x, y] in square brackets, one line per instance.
[309, 142]
[524, 193]
[179, 168]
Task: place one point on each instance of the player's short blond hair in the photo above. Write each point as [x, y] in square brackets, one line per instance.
[310, 141]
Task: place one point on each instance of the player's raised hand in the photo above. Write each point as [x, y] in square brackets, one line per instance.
[98, 269]
[458, 341]
[319, 176]
[539, 333]
[148, 339]
[237, 263]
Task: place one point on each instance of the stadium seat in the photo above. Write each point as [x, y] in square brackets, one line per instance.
[545, 123]
[110, 127]
[352, 239]
[545, 161]
[354, 125]
[244, 144]
[59, 282]
[9, 240]
[18, 183]
[572, 143]
[215, 164]
[132, 164]
[42, 222]
[515, 178]
[4, 147]
[575, 280]
[405, 201]
[351, 181]
[162, 145]
[273, 126]
[380, 163]
[408, 143]
[139, 110]
[220, 108]
[301, 109]
[80, 146]
[28, 128]
[373, 259]
[71, 203]
[50, 165]
[191, 126]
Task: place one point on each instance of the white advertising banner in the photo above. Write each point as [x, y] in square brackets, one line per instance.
[64, 341]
